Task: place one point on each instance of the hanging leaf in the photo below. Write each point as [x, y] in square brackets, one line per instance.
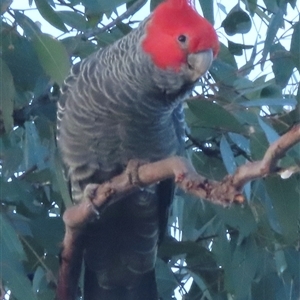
[29, 27]
[7, 97]
[52, 56]
[237, 21]
[251, 7]
[207, 7]
[12, 271]
[274, 25]
[295, 45]
[212, 115]
[237, 49]
[270, 133]
[21, 58]
[283, 64]
[73, 19]
[50, 15]
[166, 282]
[227, 156]
[97, 7]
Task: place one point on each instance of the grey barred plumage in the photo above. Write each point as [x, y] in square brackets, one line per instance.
[117, 105]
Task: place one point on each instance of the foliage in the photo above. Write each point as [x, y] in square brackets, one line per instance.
[249, 252]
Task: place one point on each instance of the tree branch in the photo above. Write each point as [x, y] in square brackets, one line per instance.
[98, 197]
[225, 192]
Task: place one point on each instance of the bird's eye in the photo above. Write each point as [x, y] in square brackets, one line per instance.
[182, 38]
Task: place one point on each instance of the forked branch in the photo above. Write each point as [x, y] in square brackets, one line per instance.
[97, 197]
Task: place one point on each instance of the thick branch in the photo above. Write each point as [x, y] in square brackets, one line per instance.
[97, 197]
[225, 192]
[70, 265]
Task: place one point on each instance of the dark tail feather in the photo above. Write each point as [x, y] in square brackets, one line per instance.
[146, 290]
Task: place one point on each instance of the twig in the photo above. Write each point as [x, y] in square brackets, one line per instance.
[130, 11]
[257, 169]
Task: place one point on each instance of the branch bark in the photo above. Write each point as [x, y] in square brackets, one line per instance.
[98, 197]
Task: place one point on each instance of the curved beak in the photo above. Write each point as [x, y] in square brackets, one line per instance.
[199, 63]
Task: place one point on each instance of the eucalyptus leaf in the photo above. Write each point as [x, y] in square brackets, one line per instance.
[274, 25]
[31, 29]
[165, 279]
[52, 56]
[73, 19]
[207, 7]
[7, 92]
[283, 64]
[236, 48]
[212, 115]
[237, 21]
[101, 6]
[50, 15]
[295, 45]
[227, 156]
[270, 133]
[270, 102]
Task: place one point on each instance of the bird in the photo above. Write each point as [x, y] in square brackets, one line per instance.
[125, 102]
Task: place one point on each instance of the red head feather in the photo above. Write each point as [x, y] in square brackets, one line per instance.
[171, 19]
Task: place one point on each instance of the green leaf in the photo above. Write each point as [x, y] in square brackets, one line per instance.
[270, 102]
[17, 281]
[97, 7]
[283, 64]
[261, 194]
[240, 218]
[237, 49]
[209, 166]
[166, 282]
[258, 145]
[9, 237]
[52, 56]
[275, 23]
[48, 232]
[237, 21]
[12, 271]
[4, 5]
[207, 7]
[227, 156]
[75, 46]
[21, 58]
[223, 72]
[29, 27]
[7, 92]
[280, 261]
[226, 57]
[61, 181]
[212, 115]
[271, 5]
[154, 3]
[243, 269]
[12, 158]
[240, 141]
[73, 19]
[286, 200]
[270, 133]
[202, 285]
[252, 5]
[295, 45]
[49, 14]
